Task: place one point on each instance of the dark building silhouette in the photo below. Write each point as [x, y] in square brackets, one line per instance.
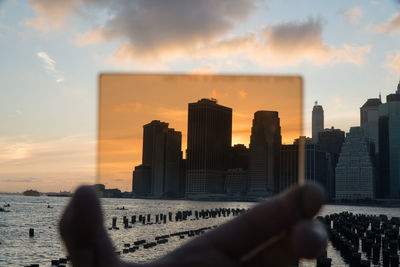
[331, 141]
[236, 181]
[388, 185]
[161, 161]
[369, 116]
[317, 121]
[239, 157]
[208, 145]
[289, 166]
[182, 178]
[316, 165]
[151, 133]
[265, 145]
[141, 180]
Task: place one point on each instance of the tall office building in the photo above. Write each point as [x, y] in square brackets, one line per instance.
[289, 166]
[389, 147]
[317, 121]
[355, 171]
[208, 145]
[369, 117]
[331, 140]
[316, 165]
[265, 145]
[161, 159]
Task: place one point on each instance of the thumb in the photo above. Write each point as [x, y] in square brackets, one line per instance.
[81, 228]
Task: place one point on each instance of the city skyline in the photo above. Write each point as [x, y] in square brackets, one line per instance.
[123, 111]
[361, 164]
[342, 49]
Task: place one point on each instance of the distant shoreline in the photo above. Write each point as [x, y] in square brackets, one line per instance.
[389, 204]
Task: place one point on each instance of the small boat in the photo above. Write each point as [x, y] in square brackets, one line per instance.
[123, 208]
[3, 210]
[7, 205]
[31, 193]
[49, 207]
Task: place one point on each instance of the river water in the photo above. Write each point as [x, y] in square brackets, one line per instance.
[18, 249]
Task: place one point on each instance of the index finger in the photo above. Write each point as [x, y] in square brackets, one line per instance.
[268, 219]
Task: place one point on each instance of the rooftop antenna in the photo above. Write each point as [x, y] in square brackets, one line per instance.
[316, 102]
[380, 97]
[398, 88]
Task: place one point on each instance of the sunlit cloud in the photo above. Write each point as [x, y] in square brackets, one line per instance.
[126, 108]
[392, 62]
[286, 44]
[152, 33]
[167, 113]
[50, 15]
[242, 94]
[63, 163]
[391, 26]
[352, 15]
[50, 66]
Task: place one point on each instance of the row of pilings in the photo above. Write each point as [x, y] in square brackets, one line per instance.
[362, 240]
[162, 239]
[178, 216]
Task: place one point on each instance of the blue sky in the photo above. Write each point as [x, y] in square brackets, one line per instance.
[52, 52]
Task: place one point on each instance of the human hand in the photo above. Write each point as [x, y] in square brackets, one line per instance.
[276, 232]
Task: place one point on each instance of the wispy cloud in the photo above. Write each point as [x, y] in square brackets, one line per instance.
[63, 163]
[352, 15]
[391, 26]
[49, 65]
[392, 62]
[21, 180]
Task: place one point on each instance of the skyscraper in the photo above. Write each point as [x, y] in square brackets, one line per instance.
[317, 121]
[208, 145]
[331, 141]
[389, 147]
[264, 154]
[161, 159]
[289, 166]
[355, 171]
[369, 117]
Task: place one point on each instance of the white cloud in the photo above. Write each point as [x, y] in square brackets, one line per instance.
[352, 15]
[50, 66]
[392, 62]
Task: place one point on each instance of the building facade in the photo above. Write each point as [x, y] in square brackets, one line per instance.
[141, 180]
[369, 119]
[331, 140]
[389, 147]
[161, 159]
[264, 153]
[355, 171]
[317, 121]
[236, 181]
[289, 166]
[316, 165]
[208, 146]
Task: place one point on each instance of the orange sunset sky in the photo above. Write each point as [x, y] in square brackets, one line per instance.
[129, 101]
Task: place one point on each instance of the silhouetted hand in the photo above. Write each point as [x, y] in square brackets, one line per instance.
[276, 232]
